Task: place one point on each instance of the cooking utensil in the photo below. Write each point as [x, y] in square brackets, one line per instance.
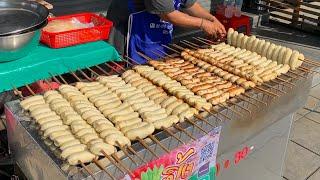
[19, 17]
[16, 46]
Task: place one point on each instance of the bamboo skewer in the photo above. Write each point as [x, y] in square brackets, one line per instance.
[271, 87]
[102, 168]
[87, 169]
[119, 161]
[196, 125]
[258, 100]
[203, 119]
[158, 142]
[229, 101]
[228, 108]
[243, 99]
[112, 161]
[283, 80]
[147, 147]
[218, 113]
[193, 44]
[30, 90]
[183, 130]
[126, 153]
[172, 135]
[266, 92]
[135, 153]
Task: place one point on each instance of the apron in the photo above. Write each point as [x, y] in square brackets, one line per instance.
[146, 33]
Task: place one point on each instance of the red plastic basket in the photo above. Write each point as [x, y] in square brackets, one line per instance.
[100, 31]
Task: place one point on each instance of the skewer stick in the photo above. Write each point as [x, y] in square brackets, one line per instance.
[112, 68]
[271, 87]
[158, 142]
[283, 80]
[308, 70]
[147, 147]
[132, 61]
[290, 76]
[173, 135]
[203, 119]
[281, 83]
[170, 48]
[211, 42]
[112, 161]
[178, 47]
[49, 84]
[218, 113]
[265, 91]
[169, 55]
[229, 101]
[310, 60]
[195, 38]
[126, 153]
[183, 130]
[196, 125]
[102, 168]
[196, 45]
[243, 99]
[314, 63]
[258, 100]
[87, 169]
[127, 61]
[135, 153]
[75, 76]
[93, 72]
[84, 74]
[119, 161]
[189, 45]
[102, 70]
[157, 54]
[30, 90]
[63, 80]
[55, 78]
[297, 74]
[228, 108]
[122, 68]
[17, 92]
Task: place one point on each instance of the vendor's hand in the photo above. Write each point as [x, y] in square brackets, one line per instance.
[213, 28]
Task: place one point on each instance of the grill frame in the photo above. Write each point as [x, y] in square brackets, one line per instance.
[228, 111]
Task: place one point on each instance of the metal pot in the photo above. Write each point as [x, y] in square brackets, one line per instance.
[18, 45]
[21, 16]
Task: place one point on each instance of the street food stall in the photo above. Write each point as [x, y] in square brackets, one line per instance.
[202, 110]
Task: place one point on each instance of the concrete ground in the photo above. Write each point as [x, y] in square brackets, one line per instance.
[303, 153]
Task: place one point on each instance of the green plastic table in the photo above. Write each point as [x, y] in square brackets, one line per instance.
[44, 60]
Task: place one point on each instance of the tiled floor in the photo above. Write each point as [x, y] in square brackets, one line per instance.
[303, 153]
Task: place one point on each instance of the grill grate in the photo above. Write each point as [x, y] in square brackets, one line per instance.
[143, 150]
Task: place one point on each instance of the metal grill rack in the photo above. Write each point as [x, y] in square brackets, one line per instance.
[142, 151]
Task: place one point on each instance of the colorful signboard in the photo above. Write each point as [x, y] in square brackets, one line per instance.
[194, 161]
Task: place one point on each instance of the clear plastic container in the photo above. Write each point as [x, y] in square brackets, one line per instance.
[237, 7]
[229, 4]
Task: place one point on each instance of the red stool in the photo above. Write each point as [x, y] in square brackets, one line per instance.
[235, 22]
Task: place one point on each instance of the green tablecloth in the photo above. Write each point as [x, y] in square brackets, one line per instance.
[43, 60]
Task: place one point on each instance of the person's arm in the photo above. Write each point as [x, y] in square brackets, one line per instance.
[178, 18]
[198, 11]
[165, 9]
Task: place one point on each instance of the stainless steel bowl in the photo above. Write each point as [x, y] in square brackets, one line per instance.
[16, 46]
[15, 42]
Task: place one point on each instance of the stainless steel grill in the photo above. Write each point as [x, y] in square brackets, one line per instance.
[286, 93]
